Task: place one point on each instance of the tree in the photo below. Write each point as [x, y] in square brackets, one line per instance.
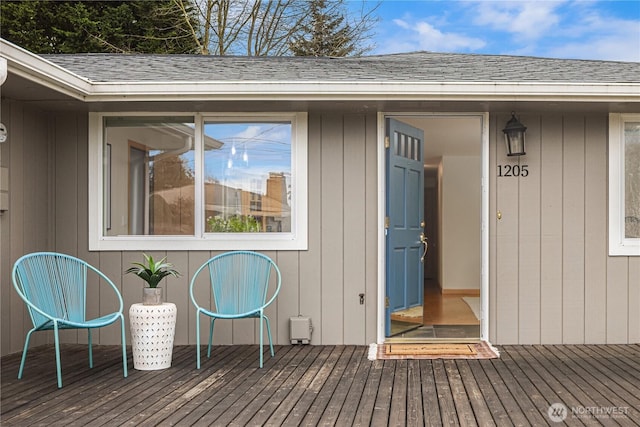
[269, 27]
[247, 27]
[218, 27]
[98, 26]
[326, 33]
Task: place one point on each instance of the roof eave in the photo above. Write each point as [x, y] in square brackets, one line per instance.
[366, 91]
[32, 67]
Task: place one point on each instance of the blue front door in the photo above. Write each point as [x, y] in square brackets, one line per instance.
[404, 224]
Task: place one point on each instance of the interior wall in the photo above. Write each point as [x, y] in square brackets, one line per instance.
[432, 224]
[453, 145]
[460, 213]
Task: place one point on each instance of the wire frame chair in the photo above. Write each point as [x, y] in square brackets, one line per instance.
[54, 288]
[239, 283]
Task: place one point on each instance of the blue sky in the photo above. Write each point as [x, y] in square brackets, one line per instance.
[580, 29]
[250, 152]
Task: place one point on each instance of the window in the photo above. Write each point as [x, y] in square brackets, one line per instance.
[151, 168]
[624, 184]
[247, 176]
[198, 182]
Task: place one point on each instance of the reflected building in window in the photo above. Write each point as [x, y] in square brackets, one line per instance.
[271, 211]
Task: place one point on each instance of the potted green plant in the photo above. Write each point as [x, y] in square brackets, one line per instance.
[152, 272]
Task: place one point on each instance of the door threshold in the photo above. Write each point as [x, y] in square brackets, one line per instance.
[439, 333]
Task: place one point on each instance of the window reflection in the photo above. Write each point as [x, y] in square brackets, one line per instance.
[247, 177]
[151, 169]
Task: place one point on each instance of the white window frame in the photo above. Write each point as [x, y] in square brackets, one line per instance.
[619, 245]
[294, 240]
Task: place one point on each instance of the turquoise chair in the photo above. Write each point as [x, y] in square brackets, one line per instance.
[239, 283]
[54, 287]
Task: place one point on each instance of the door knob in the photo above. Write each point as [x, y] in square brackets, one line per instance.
[424, 241]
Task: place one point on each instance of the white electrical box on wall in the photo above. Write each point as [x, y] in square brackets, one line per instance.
[300, 329]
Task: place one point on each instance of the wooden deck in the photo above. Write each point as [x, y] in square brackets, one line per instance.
[326, 385]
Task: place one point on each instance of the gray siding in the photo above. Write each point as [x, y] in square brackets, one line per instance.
[551, 280]
[26, 226]
[49, 212]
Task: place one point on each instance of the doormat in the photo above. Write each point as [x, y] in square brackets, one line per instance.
[429, 349]
[480, 350]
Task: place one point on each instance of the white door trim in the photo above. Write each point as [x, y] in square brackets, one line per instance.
[484, 287]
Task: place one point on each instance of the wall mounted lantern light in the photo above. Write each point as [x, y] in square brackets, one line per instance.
[514, 136]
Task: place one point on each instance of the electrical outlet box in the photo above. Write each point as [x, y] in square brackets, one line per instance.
[300, 330]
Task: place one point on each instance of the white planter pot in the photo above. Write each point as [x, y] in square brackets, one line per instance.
[152, 331]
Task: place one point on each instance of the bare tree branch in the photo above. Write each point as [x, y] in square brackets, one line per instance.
[204, 50]
[261, 27]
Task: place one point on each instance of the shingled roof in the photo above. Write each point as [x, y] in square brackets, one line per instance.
[403, 67]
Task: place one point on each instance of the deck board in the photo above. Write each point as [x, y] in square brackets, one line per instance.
[399, 395]
[430, 398]
[144, 392]
[380, 414]
[325, 385]
[262, 391]
[503, 390]
[621, 389]
[224, 369]
[330, 380]
[364, 411]
[612, 386]
[489, 394]
[477, 400]
[339, 393]
[415, 412]
[358, 393]
[581, 378]
[236, 401]
[461, 401]
[308, 392]
[526, 393]
[542, 382]
[628, 367]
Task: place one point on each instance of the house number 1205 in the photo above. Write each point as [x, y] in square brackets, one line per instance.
[513, 170]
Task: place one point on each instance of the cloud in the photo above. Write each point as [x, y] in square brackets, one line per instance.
[546, 28]
[526, 20]
[603, 37]
[589, 33]
[425, 36]
[564, 29]
[612, 48]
